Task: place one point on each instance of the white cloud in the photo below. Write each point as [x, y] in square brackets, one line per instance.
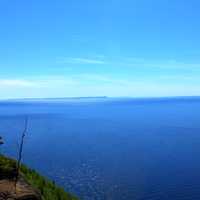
[132, 62]
[16, 83]
[156, 64]
[81, 61]
[93, 85]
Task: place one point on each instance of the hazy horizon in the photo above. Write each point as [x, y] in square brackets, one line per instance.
[100, 97]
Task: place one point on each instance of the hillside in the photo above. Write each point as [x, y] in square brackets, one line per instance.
[31, 185]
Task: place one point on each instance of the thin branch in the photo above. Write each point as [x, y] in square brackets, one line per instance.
[21, 151]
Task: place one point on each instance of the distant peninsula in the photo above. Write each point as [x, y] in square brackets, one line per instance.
[54, 99]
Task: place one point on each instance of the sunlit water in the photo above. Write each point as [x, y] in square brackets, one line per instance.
[111, 149]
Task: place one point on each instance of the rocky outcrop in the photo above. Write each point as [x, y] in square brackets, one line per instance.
[22, 190]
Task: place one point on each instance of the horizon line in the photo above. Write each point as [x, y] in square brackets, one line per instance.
[99, 97]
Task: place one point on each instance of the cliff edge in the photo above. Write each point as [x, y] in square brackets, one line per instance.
[30, 185]
[22, 190]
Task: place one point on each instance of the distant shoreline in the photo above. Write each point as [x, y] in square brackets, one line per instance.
[99, 99]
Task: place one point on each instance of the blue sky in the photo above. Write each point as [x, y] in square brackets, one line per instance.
[66, 48]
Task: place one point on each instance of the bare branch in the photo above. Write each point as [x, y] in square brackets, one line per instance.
[21, 151]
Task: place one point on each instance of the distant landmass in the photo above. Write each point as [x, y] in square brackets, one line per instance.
[57, 99]
[96, 98]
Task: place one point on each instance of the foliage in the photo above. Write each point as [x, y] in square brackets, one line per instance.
[7, 167]
[48, 189]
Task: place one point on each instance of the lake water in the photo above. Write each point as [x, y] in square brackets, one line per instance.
[111, 149]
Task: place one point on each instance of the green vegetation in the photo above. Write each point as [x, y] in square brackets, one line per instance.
[48, 190]
[7, 168]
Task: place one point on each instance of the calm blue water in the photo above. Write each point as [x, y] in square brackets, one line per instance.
[111, 149]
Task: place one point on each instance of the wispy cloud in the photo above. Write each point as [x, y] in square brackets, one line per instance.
[81, 61]
[132, 62]
[92, 85]
[16, 83]
[160, 64]
[136, 77]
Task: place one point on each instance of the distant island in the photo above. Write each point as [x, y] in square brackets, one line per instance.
[55, 99]
[93, 98]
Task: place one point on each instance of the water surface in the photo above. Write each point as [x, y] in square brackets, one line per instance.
[111, 149]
